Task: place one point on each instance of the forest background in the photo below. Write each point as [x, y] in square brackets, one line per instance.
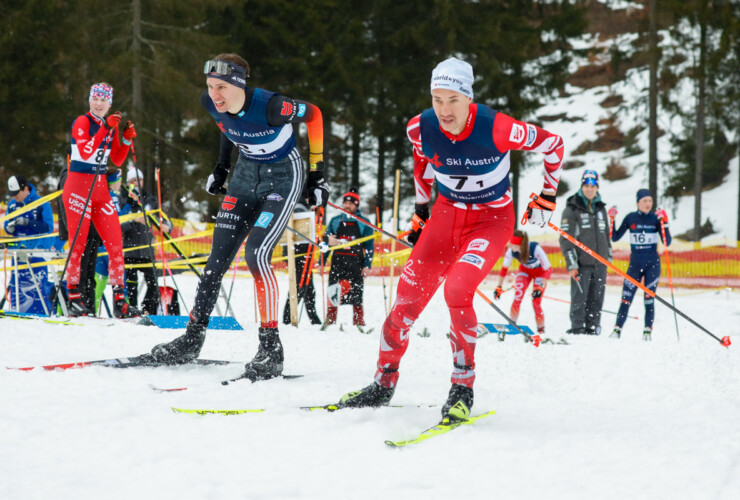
[367, 66]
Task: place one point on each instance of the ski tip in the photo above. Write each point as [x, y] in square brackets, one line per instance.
[726, 341]
[193, 411]
[173, 389]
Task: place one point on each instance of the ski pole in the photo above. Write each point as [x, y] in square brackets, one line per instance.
[535, 339]
[725, 341]
[568, 302]
[670, 279]
[382, 273]
[107, 140]
[233, 280]
[161, 239]
[578, 284]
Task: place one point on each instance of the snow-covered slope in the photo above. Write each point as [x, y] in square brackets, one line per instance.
[596, 419]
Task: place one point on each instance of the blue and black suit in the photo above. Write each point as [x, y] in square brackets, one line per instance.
[645, 232]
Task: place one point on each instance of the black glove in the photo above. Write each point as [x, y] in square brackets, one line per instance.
[318, 188]
[217, 179]
[498, 293]
[537, 291]
[418, 221]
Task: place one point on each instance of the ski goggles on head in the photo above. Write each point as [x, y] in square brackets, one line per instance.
[590, 178]
[226, 71]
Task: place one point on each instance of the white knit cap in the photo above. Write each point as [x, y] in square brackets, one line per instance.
[453, 74]
[134, 173]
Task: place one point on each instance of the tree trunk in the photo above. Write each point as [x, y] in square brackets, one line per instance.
[136, 96]
[381, 173]
[356, 138]
[700, 128]
[653, 104]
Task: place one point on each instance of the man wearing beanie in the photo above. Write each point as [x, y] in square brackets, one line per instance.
[349, 265]
[464, 146]
[645, 230]
[265, 184]
[585, 219]
[95, 139]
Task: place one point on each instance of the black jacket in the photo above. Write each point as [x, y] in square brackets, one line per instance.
[589, 224]
[135, 233]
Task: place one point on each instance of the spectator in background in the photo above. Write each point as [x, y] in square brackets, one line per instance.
[34, 222]
[645, 230]
[533, 266]
[349, 265]
[585, 219]
[137, 233]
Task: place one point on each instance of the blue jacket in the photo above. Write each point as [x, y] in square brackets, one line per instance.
[41, 221]
[644, 233]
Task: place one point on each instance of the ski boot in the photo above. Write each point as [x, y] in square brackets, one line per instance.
[268, 362]
[76, 306]
[458, 404]
[373, 395]
[184, 348]
[121, 308]
[647, 333]
[331, 317]
[617, 333]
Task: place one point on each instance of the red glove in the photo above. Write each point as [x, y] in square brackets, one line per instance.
[114, 119]
[613, 212]
[129, 132]
[499, 291]
[537, 292]
[662, 216]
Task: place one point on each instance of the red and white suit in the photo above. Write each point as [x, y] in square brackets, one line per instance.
[92, 144]
[471, 223]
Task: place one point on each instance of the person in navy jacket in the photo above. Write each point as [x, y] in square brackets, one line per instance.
[35, 222]
[645, 230]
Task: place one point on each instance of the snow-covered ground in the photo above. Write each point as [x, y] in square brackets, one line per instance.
[599, 418]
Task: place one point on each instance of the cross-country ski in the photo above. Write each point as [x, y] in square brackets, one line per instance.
[293, 250]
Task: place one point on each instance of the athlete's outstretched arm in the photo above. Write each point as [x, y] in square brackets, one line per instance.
[509, 133]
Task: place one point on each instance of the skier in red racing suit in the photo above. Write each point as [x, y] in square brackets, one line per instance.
[465, 146]
[94, 140]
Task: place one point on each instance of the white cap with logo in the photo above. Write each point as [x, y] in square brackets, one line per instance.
[453, 74]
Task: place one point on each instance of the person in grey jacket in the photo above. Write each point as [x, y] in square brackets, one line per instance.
[585, 218]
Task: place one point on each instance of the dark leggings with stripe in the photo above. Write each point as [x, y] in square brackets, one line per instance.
[258, 204]
[641, 266]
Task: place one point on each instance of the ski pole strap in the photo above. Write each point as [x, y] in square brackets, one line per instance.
[538, 202]
[417, 223]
